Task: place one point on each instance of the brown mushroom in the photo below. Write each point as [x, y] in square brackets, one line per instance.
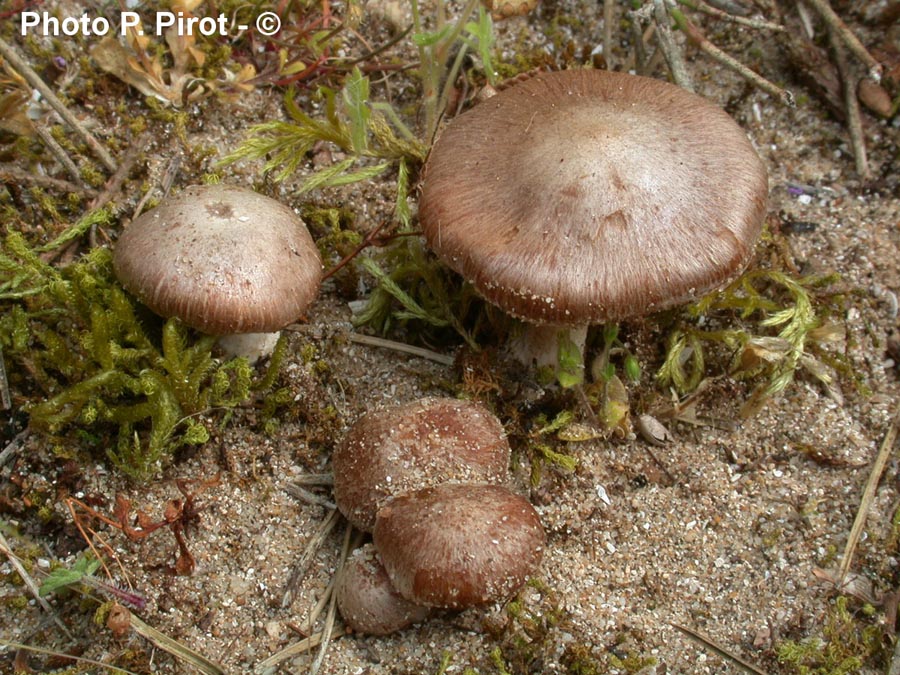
[455, 546]
[415, 445]
[366, 599]
[223, 259]
[581, 197]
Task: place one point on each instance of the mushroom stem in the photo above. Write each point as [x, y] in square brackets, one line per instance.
[559, 349]
[252, 346]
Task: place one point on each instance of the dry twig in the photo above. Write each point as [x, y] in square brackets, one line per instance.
[758, 24]
[847, 37]
[59, 152]
[718, 649]
[669, 49]
[12, 174]
[609, 10]
[22, 67]
[115, 182]
[402, 347]
[696, 36]
[5, 398]
[31, 584]
[851, 105]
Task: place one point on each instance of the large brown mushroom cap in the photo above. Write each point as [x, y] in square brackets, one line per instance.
[585, 196]
[414, 445]
[455, 546]
[223, 259]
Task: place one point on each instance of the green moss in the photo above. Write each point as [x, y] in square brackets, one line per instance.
[771, 327]
[631, 662]
[15, 602]
[97, 365]
[849, 641]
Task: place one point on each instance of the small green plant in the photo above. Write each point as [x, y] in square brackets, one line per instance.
[77, 340]
[541, 444]
[351, 123]
[766, 299]
[420, 293]
[850, 641]
[437, 44]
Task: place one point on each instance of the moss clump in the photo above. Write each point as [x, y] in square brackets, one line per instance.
[87, 360]
[850, 641]
[770, 324]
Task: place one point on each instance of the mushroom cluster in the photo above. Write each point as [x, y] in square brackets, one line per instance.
[226, 261]
[428, 479]
[586, 196]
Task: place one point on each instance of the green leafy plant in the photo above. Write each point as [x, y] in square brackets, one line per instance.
[436, 43]
[761, 299]
[351, 123]
[97, 365]
[417, 290]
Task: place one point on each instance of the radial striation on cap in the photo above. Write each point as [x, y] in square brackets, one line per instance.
[580, 197]
[415, 445]
[222, 259]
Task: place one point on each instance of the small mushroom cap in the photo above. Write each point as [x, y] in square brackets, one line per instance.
[222, 259]
[414, 445]
[457, 545]
[368, 602]
[585, 196]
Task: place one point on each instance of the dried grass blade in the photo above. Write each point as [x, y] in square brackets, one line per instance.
[328, 630]
[301, 565]
[175, 648]
[270, 664]
[865, 503]
[721, 651]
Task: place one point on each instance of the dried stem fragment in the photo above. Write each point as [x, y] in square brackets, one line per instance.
[847, 37]
[851, 105]
[695, 35]
[22, 67]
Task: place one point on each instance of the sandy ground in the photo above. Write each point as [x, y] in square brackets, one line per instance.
[719, 531]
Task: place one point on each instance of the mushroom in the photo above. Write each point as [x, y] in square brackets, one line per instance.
[415, 445]
[226, 261]
[457, 545]
[583, 197]
[367, 600]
